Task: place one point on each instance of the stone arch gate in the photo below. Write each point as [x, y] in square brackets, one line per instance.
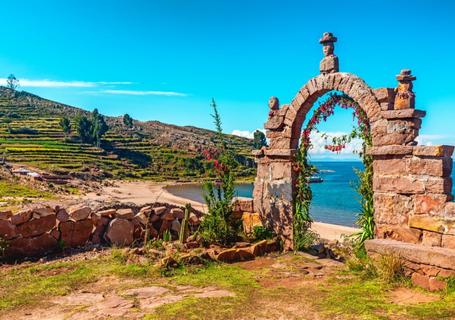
[412, 184]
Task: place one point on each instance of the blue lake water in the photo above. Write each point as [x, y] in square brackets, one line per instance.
[334, 200]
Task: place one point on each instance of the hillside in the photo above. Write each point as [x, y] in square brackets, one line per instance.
[30, 134]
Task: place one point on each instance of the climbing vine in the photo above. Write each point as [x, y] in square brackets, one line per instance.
[304, 170]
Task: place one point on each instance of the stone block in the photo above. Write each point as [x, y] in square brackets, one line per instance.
[79, 212]
[242, 204]
[249, 221]
[398, 183]
[433, 223]
[403, 114]
[448, 241]
[21, 216]
[421, 280]
[437, 284]
[441, 167]
[62, 215]
[431, 239]
[36, 227]
[178, 213]
[7, 230]
[107, 213]
[433, 151]
[31, 247]
[384, 94]
[389, 166]
[159, 210]
[390, 150]
[120, 232]
[391, 208]
[43, 211]
[127, 213]
[75, 233]
[449, 209]
[429, 203]
[399, 233]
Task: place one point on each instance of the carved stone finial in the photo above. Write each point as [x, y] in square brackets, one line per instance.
[274, 103]
[404, 96]
[329, 63]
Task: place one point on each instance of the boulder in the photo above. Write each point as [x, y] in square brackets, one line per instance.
[249, 221]
[193, 219]
[79, 212]
[120, 232]
[76, 233]
[259, 248]
[29, 247]
[141, 217]
[62, 215]
[169, 216]
[21, 217]
[36, 227]
[165, 225]
[5, 215]
[147, 210]
[107, 213]
[125, 213]
[178, 213]
[55, 233]
[7, 230]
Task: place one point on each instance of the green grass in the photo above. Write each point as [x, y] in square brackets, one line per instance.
[13, 189]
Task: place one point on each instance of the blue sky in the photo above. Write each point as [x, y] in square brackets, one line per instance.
[165, 60]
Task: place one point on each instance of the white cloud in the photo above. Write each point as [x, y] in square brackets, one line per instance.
[245, 133]
[45, 83]
[144, 93]
[431, 139]
[320, 139]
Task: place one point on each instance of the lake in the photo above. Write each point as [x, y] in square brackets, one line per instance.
[334, 200]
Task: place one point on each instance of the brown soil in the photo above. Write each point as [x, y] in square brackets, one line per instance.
[411, 296]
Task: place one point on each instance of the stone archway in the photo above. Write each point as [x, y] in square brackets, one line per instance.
[412, 184]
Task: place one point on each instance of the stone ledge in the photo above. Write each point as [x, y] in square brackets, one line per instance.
[390, 150]
[433, 223]
[438, 257]
[433, 151]
[280, 152]
[403, 114]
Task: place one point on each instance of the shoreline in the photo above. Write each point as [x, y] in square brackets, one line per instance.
[142, 192]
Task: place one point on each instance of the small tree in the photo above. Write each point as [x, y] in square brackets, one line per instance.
[259, 139]
[12, 82]
[65, 124]
[99, 127]
[127, 120]
[84, 129]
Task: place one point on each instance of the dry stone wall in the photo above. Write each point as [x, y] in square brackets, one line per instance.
[39, 229]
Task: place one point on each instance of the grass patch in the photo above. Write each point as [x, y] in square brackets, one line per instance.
[13, 189]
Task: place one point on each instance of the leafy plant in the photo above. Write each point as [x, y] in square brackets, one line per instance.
[167, 236]
[259, 139]
[12, 82]
[219, 225]
[262, 233]
[3, 246]
[65, 124]
[127, 120]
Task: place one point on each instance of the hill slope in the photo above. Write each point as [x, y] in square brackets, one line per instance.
[30, 134]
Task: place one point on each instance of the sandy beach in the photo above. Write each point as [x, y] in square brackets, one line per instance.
[142, 192]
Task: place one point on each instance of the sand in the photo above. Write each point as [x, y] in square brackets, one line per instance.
[142, 192]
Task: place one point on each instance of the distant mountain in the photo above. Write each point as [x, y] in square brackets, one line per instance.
[30, 134]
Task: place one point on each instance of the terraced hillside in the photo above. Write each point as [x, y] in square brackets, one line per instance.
[30, 134]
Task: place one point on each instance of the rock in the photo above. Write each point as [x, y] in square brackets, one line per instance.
[165, 225]
[175, 226]
[448, 241]
[431, 239]
[178, 213]
[75, 233]
[259, 248]
[5, 215]
[7, 230]
[62, 215]
[79, 212]
[235, 255]
[29, 247]
[249, 221]
[168, 262]
[159, 210]
[44, 211]
[141, 217]
[193, 219]
[21, 217]
[192, 245]
[420, 280]
[154, 218]
[243, 204]
[168, 216]
[436, 284]
[107, 213]
[36, 227]
[100, 229]
[125, 213]
[147, 210]
[120, 232]
[191, 259]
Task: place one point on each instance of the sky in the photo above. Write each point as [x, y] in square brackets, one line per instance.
[166, 59]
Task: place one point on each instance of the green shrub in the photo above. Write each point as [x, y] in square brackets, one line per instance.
[262, 233]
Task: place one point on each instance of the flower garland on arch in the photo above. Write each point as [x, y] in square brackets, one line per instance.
[303, 196]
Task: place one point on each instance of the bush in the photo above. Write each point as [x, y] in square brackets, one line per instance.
[389, 268]
[23, 130]
[262, 233]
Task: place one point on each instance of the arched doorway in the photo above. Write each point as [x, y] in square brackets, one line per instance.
[403, 179]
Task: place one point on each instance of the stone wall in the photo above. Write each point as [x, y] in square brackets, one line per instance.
[40, 229]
